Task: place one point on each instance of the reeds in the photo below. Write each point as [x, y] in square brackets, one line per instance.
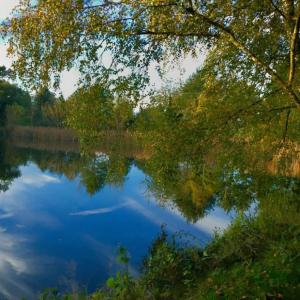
[43, 138]
[64, 139]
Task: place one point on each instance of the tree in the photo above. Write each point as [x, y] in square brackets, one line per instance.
[4, 72]
[56, 113]
[90, 111]
[123, 114]
[42, 99]
[11, 95]
[262, 38]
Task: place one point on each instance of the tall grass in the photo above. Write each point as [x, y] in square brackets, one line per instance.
[113, 141]
[43, 138]
[50, 134]
[58, 139]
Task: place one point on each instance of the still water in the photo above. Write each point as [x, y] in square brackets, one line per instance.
[63, 217]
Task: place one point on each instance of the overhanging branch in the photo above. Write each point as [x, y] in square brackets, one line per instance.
[239, 45]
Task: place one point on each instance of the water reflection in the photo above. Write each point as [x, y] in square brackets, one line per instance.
[8, 171]
[63, 215]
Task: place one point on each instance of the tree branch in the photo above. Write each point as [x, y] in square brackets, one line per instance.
[289, 8]
[286, 126]
[293, 49]
[289, 107]
[174, 33]
[278, 9]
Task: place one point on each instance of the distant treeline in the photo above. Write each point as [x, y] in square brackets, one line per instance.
[18, 107]
[89, 110]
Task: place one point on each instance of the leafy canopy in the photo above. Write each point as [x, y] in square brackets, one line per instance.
[115, 42]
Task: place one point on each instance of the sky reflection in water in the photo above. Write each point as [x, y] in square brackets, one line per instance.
[53, 233]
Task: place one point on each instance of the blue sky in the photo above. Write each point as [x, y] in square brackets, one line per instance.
[174, 74]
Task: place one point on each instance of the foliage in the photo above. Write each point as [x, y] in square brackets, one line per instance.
[14, 98]
[4, 72]
[260, 38]
[247, 88]
[56, 113]
[43, 98]
[171, 263]
[122, 114]
[18, 107]
[215, 120]
[92, 111]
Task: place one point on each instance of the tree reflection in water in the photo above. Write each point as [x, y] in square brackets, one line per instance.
[191, 184]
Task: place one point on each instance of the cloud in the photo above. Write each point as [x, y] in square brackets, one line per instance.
[22, 185]
[6, 216]
[7, 7]
[212, 223]
[13, 265]
[38, 180]
[2, 229]
[4, 60]
[144, 210]
[217, 220]
[17, 202]
[97, 211]
[69, 81]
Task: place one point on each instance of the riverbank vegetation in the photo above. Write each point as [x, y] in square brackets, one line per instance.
[252, 260]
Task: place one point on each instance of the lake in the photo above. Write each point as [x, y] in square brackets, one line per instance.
[63, 217]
